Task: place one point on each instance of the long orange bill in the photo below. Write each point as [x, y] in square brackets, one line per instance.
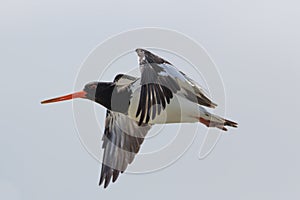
[80, 94]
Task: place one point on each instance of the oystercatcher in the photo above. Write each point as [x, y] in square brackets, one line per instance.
[162, 94]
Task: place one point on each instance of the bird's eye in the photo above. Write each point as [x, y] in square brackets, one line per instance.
[93, 87]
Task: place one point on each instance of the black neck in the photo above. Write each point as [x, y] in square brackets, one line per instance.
[103, 94]
[112, 97]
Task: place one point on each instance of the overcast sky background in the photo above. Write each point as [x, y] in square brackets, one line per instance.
[256, 46]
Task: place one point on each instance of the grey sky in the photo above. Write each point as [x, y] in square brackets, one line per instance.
[255, 45]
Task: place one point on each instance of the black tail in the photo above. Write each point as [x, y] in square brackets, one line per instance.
[211, 120]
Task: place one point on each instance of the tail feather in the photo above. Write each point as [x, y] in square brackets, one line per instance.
[230, 123]
[211, 120]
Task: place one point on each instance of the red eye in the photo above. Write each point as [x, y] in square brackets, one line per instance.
[93, 86]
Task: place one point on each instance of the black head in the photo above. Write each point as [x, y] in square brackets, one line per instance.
[90, 90]
[99, 92]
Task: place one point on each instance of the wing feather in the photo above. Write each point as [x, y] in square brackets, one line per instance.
[160, 80]
[121, 142]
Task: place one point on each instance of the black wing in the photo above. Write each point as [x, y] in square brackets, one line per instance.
[121, 142]
[124, 79]
[160, 80]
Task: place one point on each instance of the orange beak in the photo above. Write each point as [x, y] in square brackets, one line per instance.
[80, 94]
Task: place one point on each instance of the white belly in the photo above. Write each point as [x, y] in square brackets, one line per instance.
[179, 110]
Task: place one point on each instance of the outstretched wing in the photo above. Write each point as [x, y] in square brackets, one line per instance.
[121, 142]
[160, 80]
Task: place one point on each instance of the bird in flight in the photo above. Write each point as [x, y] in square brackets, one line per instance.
[162, 95]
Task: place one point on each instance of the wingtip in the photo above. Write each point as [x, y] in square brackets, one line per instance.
[106, 183]
[101, 181]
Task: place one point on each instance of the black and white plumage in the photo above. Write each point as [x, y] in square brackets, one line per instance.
[160, 80]
[162, 95]
[121, 141]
